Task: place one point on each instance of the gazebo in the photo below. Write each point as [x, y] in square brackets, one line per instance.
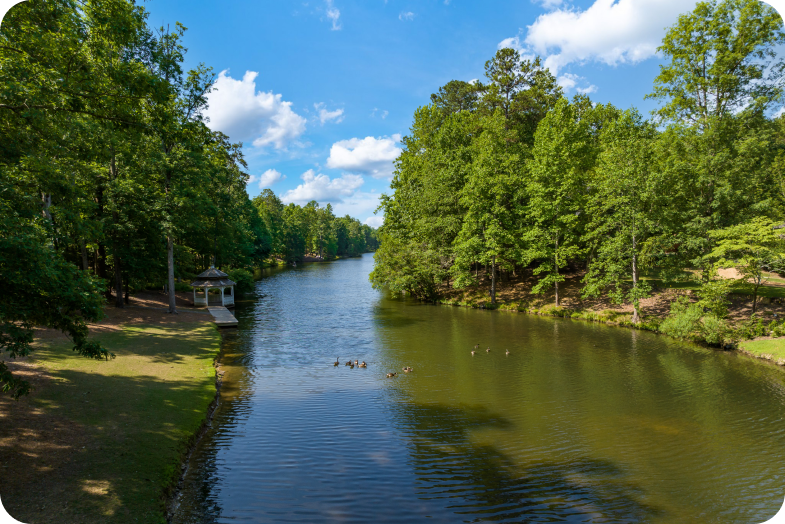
[213, 279]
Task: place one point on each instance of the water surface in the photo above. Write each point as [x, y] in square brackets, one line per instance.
[580, 423]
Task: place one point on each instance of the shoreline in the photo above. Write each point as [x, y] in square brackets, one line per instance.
[172, 492]
[594, 317]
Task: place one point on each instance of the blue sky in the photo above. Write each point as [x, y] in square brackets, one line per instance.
[320, 92]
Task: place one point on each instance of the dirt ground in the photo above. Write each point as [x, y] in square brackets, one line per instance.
[37, 447]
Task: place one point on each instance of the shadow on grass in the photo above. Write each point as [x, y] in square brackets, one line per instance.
[99, 441]
[481, 480]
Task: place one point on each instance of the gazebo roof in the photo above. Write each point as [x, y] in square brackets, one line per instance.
[212, 278]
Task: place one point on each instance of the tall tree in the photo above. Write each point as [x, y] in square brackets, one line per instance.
[623, 209]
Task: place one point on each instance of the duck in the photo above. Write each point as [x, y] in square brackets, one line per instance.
[407, 369]
[348, 363]
[488, 349]
[351, 366]
[356, 362]
[363, 364]
[336, 361]
[391, 375]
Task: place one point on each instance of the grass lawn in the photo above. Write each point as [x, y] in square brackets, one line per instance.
[99, 441]
[772, 346]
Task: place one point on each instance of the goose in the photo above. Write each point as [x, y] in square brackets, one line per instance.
[348, 363]
[507, 352]
[336, 361]
[356, 362]
[390, 375]
[477, 346]
[488, 349]
[407, 369]
[363, 364]
[472, 352]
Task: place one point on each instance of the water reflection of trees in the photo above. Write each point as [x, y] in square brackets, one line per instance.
[480, 480]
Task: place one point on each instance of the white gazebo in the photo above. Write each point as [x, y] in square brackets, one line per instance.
[214, 279]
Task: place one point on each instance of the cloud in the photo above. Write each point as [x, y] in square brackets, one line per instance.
[515, 43]
[406, 16]
[326, 116]
[360, 205]
[375, 221]
[384, 114]
[550, 4]
[270, 177]
[569, 82]
[333, 14]
[321, 188]
[609, 31]
[237, 109]
[369, 155]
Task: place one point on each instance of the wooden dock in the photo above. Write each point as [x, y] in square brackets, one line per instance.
[222, 316]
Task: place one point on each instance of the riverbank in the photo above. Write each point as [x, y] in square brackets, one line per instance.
[515, 294]
[103, 441]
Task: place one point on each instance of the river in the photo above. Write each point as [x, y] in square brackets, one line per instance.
[579, 423]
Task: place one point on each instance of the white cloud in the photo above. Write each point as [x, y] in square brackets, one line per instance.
[515, 43]
[550, 4]
[360, 204]
[333, 14]
[384, 114]
[321, 188]
[369, 155]
[270, 177]
[326, 116]
[569, 82]
[610, 31]
[375, 221]
[406, 16]
[237, 109]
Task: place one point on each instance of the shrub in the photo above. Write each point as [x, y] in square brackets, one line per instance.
[683, 320]
[243, 278]
[715, 330]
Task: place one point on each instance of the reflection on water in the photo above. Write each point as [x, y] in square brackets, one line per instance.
[580, 423]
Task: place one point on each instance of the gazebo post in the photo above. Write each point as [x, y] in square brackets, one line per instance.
[222, 295]
[206, 297]
[194, 297]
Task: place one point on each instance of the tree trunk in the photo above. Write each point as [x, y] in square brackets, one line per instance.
[83, 250]
[118, 283]
[170, 280]
[755, 295]
[102, 269]
[127, 298]
[636, 319]
[493, 280]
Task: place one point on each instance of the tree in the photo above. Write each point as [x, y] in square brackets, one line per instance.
[623, 209]
[492, 199]
[721, 59]
[751, 248]
[562, 156]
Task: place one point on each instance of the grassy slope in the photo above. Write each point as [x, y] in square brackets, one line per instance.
[772, 346]
[135, 413]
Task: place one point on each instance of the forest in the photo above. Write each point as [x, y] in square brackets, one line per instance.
[507, 175]
[111, 180]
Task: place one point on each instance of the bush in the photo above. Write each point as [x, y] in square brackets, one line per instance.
[243, 278]
[683, 320]
[715, 330]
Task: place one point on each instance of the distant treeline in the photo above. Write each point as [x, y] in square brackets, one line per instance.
[510, 175]
[110, 179]
[294, 231]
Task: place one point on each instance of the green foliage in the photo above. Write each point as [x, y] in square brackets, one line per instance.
[243, 278]
[683, 320]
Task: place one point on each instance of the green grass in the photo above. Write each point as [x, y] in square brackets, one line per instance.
[774, 347]
[139, 411]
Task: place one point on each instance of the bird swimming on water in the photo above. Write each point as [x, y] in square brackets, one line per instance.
[507, 352]
[488, 349]
[407, 369]
[472, 352]
[336, 361]
[348, 363]
[390, 375]
[363, 364]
